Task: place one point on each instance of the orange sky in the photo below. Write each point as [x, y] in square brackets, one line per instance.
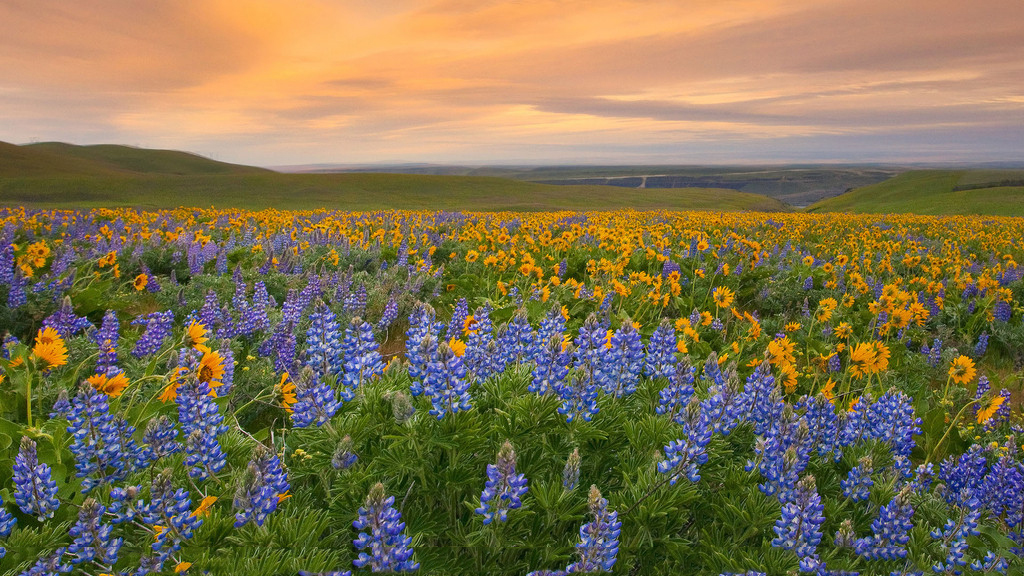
[539, 81]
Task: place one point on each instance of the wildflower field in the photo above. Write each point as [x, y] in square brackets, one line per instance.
[235, 392]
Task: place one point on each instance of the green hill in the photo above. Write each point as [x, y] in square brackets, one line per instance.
[116, 158]
[991, 192]
[365, 191]
[58, 175]
[27, 161]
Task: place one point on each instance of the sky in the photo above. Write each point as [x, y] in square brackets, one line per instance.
[289, 82]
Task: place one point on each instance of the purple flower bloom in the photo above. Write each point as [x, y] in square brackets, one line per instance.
[323, 345]
[92, 537]
[504, 488]
[446, 384]
[799, 528]
[599, 538]
[890, 531]
[258, 496]
[384, 535]
[362, 360]
[661, 352]
[35, 492]
[316, 402]
[106, 339]
[158, 328]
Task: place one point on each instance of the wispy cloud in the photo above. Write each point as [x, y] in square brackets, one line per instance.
[270, 82]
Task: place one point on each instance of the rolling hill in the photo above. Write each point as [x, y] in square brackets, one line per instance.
[55, 175]
[991, 192]
[116, 158]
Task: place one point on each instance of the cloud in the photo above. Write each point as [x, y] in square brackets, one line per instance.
[451, 80]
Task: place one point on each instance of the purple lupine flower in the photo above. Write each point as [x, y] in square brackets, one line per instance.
[504, 488]
[459, 315]
[160, 440]
[6, 262]
[891, 419]
[50, 564]
[202, 423]
[158, 328]
[785, 452]
[674, 398]
[516, 342]
[316, 402]
[963, 474]
[552, 325]
[420, 345]
[763, 398]
[552, 368]
[683, 457]
[725, 405]
[822, 424]
[102, 443]
[384, 538]
[858, 483]
[579, 398]
[981, 346]
[324, 353]
[390, 314]
[669, 267]
[890, 531]
[934, 353]
[7, 522]
[362, 360]
[171, 509]
[92, 538]
[661, 352]
[481, 349]
[446, 384]
[65, 321]
[624, 361]
[344, 457]
[1002, 489]
[1003, 311]
[16, 295]
[259, 494]
[589, 355]
[106, 339]
[599, 538]
[35, 492]
[255, 318]
[799, 528]
[355, 303]
[990, 564]
[210, 315]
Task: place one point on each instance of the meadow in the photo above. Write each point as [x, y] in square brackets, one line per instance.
[317, 392]
[949, 192]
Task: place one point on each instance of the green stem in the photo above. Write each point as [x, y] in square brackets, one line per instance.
[950, 428]
[28, 398]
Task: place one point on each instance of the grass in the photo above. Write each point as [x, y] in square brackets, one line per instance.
[58, 175]
[363, 191]
[115, 158]
[932, 192]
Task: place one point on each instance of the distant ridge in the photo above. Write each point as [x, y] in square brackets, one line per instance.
[935, 192]
[59, 158]
[58, 175]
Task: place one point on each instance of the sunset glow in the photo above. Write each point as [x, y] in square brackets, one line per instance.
[539, 81]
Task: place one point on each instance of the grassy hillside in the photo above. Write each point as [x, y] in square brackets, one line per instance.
[116, 158]
[27, 161]
[356, 192]
[935, 192]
